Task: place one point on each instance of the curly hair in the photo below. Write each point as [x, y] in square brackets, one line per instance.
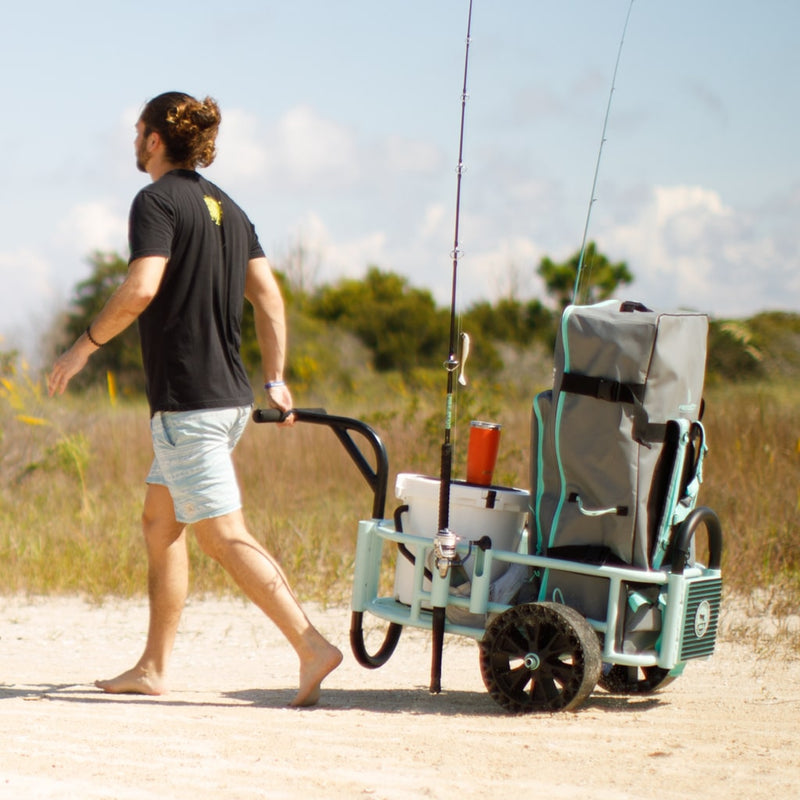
[188, 127]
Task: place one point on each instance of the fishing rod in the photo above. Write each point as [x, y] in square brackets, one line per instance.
[445, 541]
[576, 298]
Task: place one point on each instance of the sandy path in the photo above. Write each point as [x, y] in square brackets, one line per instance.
[728, 728]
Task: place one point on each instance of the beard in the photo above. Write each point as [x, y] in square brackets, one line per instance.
[142, 157]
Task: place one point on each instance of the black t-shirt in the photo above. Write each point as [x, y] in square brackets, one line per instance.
[191, 331]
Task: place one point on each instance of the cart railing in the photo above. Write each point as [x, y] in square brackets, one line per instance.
[417, 611]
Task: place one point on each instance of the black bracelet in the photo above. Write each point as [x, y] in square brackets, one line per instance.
[274, 384]
[90, 337]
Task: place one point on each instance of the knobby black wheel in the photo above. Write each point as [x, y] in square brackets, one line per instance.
[540, 657]
[634, 680]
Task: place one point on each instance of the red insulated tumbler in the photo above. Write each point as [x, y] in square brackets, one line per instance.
[484, 441]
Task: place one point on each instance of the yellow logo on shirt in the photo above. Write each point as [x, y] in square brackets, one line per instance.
[214, 209]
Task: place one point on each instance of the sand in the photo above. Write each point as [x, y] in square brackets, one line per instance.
[729, 727]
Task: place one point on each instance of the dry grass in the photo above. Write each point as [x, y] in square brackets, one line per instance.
[72, 471]
[752, 482]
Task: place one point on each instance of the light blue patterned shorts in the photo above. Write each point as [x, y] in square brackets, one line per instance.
[193, 460]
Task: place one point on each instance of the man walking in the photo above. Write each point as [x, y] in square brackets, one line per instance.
[194, 257]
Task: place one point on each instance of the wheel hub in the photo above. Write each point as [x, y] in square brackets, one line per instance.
[532, 661]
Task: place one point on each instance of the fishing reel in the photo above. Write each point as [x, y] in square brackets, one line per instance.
[444, 551]
[445, 556]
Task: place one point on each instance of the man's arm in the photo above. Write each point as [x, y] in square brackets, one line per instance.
[122, 308]
[262, 290]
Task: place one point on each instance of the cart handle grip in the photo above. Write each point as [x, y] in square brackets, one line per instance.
[686, 532]
[276, 415]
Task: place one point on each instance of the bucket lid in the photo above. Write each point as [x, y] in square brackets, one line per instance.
[409, 485]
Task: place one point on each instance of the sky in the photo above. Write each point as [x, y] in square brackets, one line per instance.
[340, 137]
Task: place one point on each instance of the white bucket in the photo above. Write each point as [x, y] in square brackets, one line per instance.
[475, 511]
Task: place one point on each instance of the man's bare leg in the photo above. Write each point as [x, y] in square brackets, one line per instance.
[167, 585]
[227, 540]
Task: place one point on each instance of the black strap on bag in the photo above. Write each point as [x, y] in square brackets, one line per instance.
[602, 388]
[612, 391]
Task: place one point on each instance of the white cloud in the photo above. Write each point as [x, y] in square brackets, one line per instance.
[241, 148]
[23, 274]
[433, 220]
[92, 226]
[354, 255]
[349, 201]
[37, 282]
[299, 149]
[340, 257]
[687, 248]
[403, 155]
[28, 299]
[506, 269]
[311, 148]
[305, 150]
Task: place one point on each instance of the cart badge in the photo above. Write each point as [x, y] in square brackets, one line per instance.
[702, 619]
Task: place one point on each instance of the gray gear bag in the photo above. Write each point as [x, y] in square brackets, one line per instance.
[617, 446]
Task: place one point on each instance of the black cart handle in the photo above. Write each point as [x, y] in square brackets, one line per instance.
[683, 539]
[376, 477]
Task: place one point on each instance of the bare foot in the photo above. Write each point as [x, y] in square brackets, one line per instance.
[313, 672]
[134, 681]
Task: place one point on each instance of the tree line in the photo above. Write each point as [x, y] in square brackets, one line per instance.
[399, 326]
